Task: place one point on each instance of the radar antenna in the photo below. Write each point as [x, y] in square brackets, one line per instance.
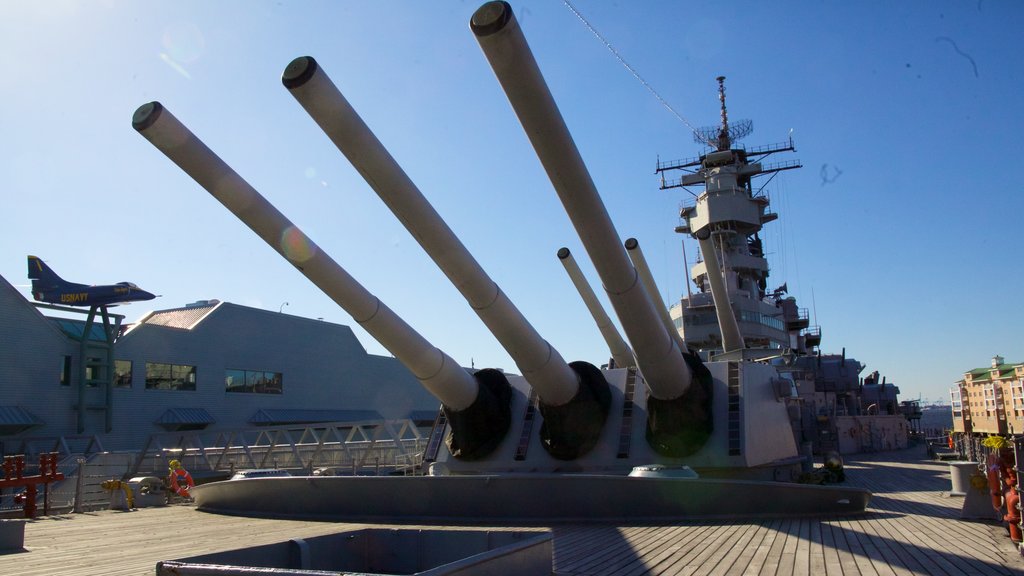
[722, 137]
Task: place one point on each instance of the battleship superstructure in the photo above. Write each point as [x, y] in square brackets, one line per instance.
[561, 438]
[727, 218]
[733, 212]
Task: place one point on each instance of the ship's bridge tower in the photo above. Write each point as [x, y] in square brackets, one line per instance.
[732, 213]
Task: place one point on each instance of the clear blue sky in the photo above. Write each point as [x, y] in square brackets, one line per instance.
[901, 233]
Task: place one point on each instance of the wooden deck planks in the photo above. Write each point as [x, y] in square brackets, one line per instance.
[912, 528]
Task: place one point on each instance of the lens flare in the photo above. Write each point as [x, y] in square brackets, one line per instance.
[296, 246]
[183, 42]
[175, 66]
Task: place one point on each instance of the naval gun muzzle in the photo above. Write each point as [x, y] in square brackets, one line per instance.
[477, 406]
[574, 398]
[679, 410]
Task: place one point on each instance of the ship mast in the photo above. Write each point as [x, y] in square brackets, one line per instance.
[724, 142]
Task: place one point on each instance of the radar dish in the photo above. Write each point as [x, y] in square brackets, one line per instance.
[709, 135]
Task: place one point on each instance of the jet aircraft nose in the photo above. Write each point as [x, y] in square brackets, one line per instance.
[140, 294]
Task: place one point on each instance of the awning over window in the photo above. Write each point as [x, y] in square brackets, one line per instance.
[175, 419]
[76, 328]
[15, 419]
[271, 417]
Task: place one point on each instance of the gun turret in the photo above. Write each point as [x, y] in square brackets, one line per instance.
[478, 408]
[573, 398]
[680, 421]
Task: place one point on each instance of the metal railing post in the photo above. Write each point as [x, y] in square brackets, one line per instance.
[79, 486]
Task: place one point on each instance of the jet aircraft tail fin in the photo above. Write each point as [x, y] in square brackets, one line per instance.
[43, 278]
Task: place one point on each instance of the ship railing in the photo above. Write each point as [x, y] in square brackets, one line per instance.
[356, 447]
[677, 164]
[32, 446]
[779, 166]
[372, 447]
[765, 149]
[1018, 453]
[769, 148]
[81, 489]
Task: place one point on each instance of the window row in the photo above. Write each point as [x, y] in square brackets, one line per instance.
[750, 316]
[182, 377]
[94, 372]
[254, 381]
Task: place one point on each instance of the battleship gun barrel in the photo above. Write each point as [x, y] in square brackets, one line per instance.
[731, 338]
[620, 351]
[502, 42]
[441, 375]
[574, 398]
[636, 255]
[541, 365]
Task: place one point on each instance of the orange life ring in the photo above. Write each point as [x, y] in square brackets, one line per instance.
[181, 481]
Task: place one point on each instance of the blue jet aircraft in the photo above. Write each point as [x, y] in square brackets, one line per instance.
[48, 287]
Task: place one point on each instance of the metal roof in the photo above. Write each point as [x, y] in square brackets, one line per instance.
[15, 419]
[17, 416]
[75, 329]
[185, 416]
[185, 318]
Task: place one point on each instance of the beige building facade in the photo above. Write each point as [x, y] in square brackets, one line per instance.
[990, 400]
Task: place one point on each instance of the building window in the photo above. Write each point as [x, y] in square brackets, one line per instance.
[122, 373]
[253, 381]
[989, 393]
[170, 377]
[1017, 394]
[94, 372]
[65, 372]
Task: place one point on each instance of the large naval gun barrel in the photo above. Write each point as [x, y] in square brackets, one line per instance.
[574, 398]
[636, 255]
[679, 413]
[731, 338]
[477, 406]
[621, 353]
